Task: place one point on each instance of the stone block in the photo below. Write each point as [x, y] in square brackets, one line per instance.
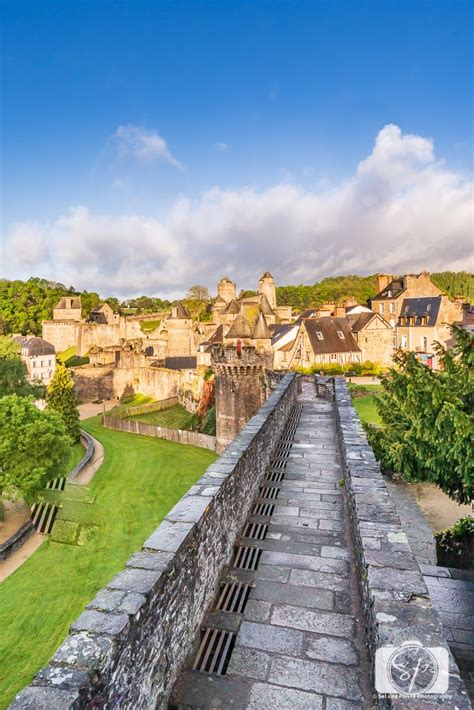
[264, 696]
[332, 650]
[324, 678]
[189, 509]
[314, 621]
[270, 638]
[141, 581]
[169, 537]
[100, 622]
[84, 651]
[249, 663]
[38, 698]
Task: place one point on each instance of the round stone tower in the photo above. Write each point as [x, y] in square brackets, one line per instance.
[266, 285]
[240, 387]
[226, 289]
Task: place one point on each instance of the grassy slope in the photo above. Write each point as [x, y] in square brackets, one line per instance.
[175, 417]
[140, 480]
[77, 452]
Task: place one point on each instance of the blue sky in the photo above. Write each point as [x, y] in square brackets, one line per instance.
[125, 109]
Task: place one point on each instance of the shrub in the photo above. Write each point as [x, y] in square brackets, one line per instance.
[455, 546]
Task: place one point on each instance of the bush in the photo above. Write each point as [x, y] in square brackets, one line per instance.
[354, 369]
[455, 546]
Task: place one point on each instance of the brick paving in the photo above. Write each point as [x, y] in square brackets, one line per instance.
[300, 642]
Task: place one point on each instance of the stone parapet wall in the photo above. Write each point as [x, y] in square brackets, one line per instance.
[396, 601]
[181, 436]
[126, 649]
[16, 540]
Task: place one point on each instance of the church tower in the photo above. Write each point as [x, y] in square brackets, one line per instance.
[226, 290]
[266, 286]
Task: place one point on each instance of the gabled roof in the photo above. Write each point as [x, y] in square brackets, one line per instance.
[101, 307]
[278, 330]
[419, 308]
[395, 287]
[240, 328]
[331, 342]
[307, 313]
[261, 331]
[359, 321]
[68, 302]
[38, 346]
[181, 311]
[232, 307]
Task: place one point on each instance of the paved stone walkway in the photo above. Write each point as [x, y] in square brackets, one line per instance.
[300, 640]
[414, 523]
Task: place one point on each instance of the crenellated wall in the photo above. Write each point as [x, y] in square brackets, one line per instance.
[128, 646]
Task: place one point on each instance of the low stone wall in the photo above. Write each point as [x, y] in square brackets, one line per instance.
[14, 542]
[126, 649]
[181, 436]
[88, 443]
[150, 407]
[396, 601]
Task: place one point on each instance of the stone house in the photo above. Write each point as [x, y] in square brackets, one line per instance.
[374, 336]
[392, 290]
[104, 314]
[423, 322]
[325, 340]
[39, 357]
[68, 308]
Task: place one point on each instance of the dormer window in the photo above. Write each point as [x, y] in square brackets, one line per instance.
[319, 335]
[428, 307]
[407, 309]
[341, 334]
[389, 294]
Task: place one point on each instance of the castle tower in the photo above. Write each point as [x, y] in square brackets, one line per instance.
[226, 289]
[266, 285]
[240, 380]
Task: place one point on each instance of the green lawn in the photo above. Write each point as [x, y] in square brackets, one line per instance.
[139, 481]
[365, 406]
[77, 452]
[69, 358]
[175, 417]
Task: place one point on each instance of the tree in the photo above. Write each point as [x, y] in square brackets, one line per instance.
[34, 447]
[13, 373]
[428, 419]
[60, 397]
[199, 293]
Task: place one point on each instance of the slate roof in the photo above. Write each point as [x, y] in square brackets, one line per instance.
[278, 330]
[181, 363]
[240, 328]
[331, 342]
[418, 308]
[76, 302]
[267, 275]
[38, 346]
[261, 330]
[359, 321]
[307, 313]
[181, 311]
[100, 308]
[395, 286]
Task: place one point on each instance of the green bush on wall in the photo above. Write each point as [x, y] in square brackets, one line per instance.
[455, 546]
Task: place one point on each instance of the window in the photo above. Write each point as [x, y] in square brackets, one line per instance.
[333, 357]
[34, 363]
[389, 294]
[381, 307]
[424, 343]
[404, 341]
[341, 335]
[392, 308]
[428, 307]
[319, 335]
[407, 308]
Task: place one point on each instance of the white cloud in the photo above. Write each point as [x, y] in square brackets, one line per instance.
[401, 211]
[221, 147]
[133, 141]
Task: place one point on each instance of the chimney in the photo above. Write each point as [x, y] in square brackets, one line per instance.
[383, 281]
[339, 312]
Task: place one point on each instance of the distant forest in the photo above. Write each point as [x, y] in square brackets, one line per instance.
[25, 304]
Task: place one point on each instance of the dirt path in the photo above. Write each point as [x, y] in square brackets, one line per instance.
[91, 410]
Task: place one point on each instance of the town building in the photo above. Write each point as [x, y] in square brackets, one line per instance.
[39, 357]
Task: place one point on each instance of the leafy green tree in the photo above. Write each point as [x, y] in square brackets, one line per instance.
[13, 373]
[34, 447]
[428, 419]
[61, 398]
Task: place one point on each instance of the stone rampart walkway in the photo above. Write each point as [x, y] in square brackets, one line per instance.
[300, 640]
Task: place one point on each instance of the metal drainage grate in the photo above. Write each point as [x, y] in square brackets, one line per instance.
[43, 516]
[277, 462]
[214, 652]
[233, 597]
[255, 531]
[263, 509]
[268, 492]
[275, 476]
[247, 558]
[58, 484]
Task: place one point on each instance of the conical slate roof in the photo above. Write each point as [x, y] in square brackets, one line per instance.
[181, 311]
[261, 330]
[233, 307]
[240, 328]
[267, 275]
